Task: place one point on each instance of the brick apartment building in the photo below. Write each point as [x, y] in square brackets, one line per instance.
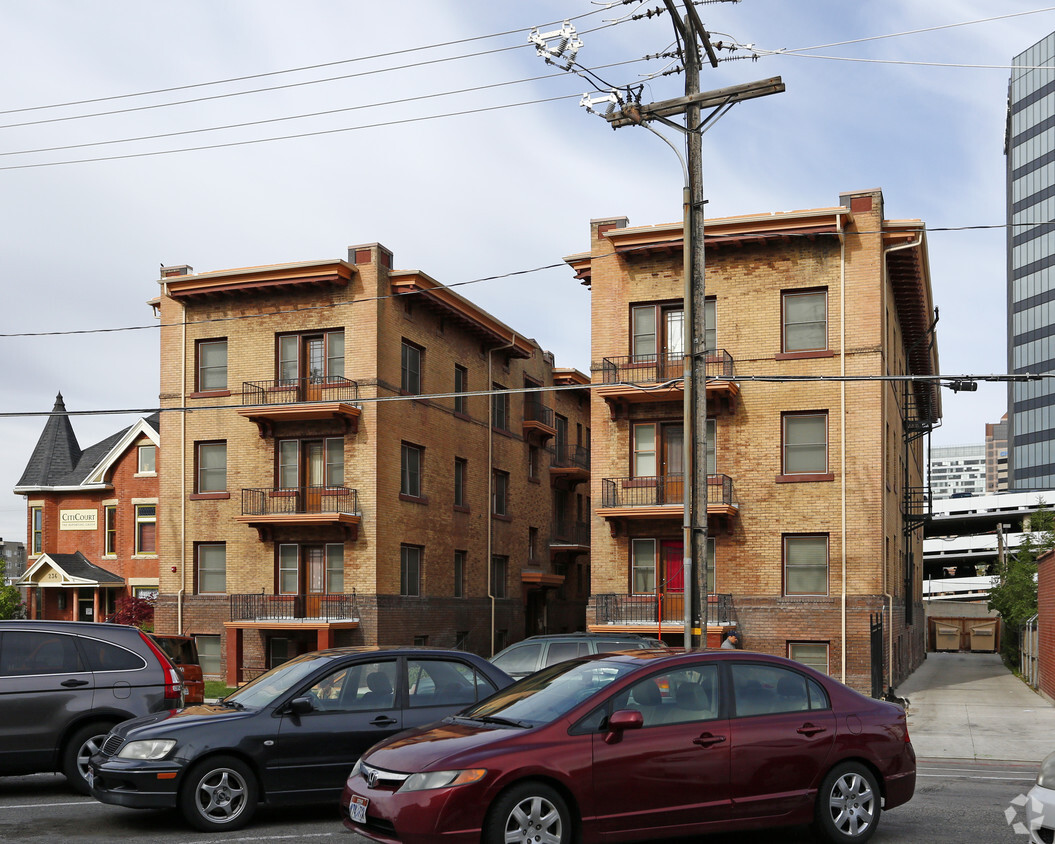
[814, 487]
[91, 519]
[365, 457]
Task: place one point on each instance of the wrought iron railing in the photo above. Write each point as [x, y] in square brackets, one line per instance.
[648, 369]
[291, 390]
[257, 607]
[570, 533]
[658, 490]
[566, 455]
[535, 411]
[300, 500]
[611, 608]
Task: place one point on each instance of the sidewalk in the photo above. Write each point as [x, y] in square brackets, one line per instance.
[969, 706]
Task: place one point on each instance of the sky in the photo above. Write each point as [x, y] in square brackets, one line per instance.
[432, 127]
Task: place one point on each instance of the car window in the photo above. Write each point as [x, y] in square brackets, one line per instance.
[560, 651]
[818, 697]
[331, 692]
[444, 682]
[673, 697]
[26, 652]
[104, 656]
[519, 659]
[765, 689]
[371, 685]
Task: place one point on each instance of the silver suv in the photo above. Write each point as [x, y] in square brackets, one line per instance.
[535, 652]
[64, 684]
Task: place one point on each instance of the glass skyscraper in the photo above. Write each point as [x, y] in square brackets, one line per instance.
[1030, 151]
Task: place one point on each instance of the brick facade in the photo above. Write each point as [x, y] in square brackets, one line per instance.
[381, 313]
[854, 499]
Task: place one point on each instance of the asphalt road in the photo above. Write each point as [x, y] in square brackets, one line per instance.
[955, 802]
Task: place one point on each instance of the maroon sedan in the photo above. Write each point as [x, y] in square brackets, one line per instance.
[641, 745]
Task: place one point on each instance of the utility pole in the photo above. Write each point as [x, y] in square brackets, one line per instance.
[691, 35]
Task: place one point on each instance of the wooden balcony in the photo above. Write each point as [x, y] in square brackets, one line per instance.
[635, 379]
[663, 497]
[313, 506]
[570, 463]
[571, 537]
[539, 423]
[301, 400]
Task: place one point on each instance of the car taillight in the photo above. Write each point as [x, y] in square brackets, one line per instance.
[173, 681]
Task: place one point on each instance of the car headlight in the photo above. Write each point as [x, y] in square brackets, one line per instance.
[441, 779]
[1046, 777]
[148, 749]
[356, 768]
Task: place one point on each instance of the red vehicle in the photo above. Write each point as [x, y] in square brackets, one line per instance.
[641, 745]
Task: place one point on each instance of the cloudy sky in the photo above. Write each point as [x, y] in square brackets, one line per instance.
[250, 132]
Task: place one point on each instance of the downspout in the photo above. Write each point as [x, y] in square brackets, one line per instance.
[889, 595]
[183, 476]
[842, 429]
[491, 484]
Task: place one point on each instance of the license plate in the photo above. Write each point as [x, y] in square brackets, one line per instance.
[357, 808]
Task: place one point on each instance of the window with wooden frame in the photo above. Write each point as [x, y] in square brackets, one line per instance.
[212, 468]
[310, 464]
[146, 529]
[411, 468]
[146, 463]
[461, 480]
[500, 493]
[411, 356]
[459, 574]
[499, 407]
[36, 531]
[813, 654]
[211, 370]
[804, 321]
[211, 568]
[461, 385]
[805, 564]
[499, 573]
[311, 569]
[316, 357]
[110, 527]
[804, 437]
[410, 570]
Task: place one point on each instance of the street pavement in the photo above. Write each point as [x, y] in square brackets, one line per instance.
[970, 706]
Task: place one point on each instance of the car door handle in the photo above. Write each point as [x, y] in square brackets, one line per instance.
[72, 684]
[810, 730]
[707, 739]
[383, 721]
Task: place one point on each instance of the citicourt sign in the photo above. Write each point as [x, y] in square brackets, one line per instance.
[78, 519]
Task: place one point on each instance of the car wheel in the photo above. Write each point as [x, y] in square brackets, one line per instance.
[219, 793]
[529, 813]
[848, 804]
[78, 750]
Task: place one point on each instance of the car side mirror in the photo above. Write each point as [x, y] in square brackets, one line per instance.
[301, 706]
[624, 719]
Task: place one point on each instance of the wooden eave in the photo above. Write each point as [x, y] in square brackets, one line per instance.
[540, 578]
[292, 624]
[472, 318]
[267, 524]
[576, 474]
[622, 394]
[663, 511]
[266, 415]
[276, 278]
[569, 378]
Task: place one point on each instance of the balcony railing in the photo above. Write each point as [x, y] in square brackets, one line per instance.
[311, 607]
[570, 533]
[650, 369]
[645, 609]
[535, 411]
[329, 388]
[567, 456]
[300, 500]
[660, 490]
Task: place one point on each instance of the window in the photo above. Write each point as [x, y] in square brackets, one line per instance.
[209, 654]
[36, 527]
[500, 493]
[813, 654]
[320, 463]
[411, 462]
[805, 565]
[533, 462]
[768, 689]
[499, 408]
[212, 568]
[459, 574]
[532, 545]
[677, 697]
[212, 365]
[461, 385]
[805, 321]
[335, 568]
[461, 475]
[499, 568]
[410, 368]
[710, 332]
[643, 566]
[410, 570]
[212, 467]
[658, 335]
[288, 569]
[315, 569]
[805, 443]
[147, 460]
[110, 526]
[317, 357]
[146, 529]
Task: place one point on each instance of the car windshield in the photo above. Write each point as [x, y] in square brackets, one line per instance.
[267, 688]
[549, 693]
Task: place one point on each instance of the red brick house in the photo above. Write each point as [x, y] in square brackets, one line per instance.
[91, 521]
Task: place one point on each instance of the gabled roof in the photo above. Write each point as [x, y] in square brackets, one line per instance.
[58, 462]
[68, 570]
